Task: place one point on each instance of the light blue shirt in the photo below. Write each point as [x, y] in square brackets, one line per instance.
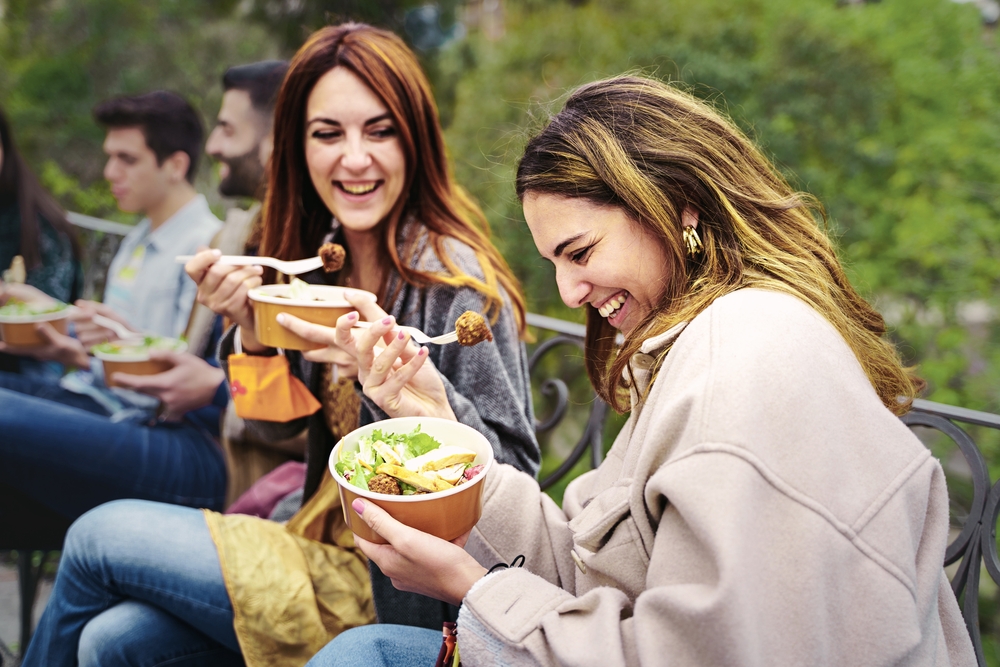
[145, 284]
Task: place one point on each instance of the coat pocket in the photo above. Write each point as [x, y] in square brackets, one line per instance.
[592, 528]
[606, 544]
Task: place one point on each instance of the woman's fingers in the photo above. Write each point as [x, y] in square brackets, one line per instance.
[316, 333]
[366, 305]
[224, 290]
[393, 385]
[198, 265]
[380, 521]
[367, 340]
[383, 363]
[344, 332]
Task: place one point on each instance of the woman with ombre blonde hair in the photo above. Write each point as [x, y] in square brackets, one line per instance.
[763, 505]
[358, 160]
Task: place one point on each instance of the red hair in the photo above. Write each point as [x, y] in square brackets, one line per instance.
[295, 218]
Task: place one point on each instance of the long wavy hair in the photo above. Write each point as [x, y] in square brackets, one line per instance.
[296, 219]
[19, 185]
[653, 150]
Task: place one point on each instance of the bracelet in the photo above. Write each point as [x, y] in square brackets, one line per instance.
[517, 562]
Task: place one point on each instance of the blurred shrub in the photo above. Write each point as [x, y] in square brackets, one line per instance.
[889, 112]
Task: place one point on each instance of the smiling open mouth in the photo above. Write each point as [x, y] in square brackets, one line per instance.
[359, 188]
[612, 306]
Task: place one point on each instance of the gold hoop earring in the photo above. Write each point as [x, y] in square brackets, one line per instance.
[693, 242]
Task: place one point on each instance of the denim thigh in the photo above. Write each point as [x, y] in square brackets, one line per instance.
[72, 459]
[381, 645]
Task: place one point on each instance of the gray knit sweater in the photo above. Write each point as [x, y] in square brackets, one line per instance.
[487, 385]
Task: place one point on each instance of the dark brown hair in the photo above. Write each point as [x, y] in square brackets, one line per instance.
[296, 219]
[19, 185]
[261, 81]
[653, 150]
[167, 122]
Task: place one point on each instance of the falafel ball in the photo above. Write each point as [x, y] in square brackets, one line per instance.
[384, 484]
[333, 255]
[472, 329]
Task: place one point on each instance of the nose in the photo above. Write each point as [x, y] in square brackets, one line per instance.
[356, 154]
[109, 170]
[573, 290]
[214, 144]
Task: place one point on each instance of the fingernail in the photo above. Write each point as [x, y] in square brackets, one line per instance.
[387, 320]
[281, 318]
[358, 506]
[401, 335]
[422, 352]
[216, 252]
[352, 316]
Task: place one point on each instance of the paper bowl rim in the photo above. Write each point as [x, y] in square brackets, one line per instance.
[260, 295]
[132, 358]
[40, 317]
[423, 497]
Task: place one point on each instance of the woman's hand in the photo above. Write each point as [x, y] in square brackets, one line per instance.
[344, 357]
[90, 333]
[24, 293]
[224, 289]
[58, 347]
[343, 360]
[399, 378]
[418, 562]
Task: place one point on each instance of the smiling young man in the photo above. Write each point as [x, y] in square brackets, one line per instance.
[242, 139]
[153, 145]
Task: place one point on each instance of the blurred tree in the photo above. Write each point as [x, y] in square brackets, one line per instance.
[889, 112]
[59, 59]
[425, 25]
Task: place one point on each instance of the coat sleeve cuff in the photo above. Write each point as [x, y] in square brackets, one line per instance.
[507, 606]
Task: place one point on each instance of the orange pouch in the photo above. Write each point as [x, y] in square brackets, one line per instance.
[263, 388]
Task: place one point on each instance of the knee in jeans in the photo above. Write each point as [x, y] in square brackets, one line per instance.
[100, 643]
[94, 528]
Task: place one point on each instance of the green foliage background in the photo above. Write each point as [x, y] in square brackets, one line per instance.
[889, 112]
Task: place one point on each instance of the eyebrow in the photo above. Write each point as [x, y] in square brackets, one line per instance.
[562, 246]
[370, 121]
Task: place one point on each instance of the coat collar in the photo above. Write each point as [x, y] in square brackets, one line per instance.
[643, 362]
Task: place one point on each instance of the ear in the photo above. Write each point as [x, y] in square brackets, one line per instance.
[177, 166]
[265, 149]
[689, 217]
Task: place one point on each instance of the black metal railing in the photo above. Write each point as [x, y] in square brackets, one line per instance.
[976, 543]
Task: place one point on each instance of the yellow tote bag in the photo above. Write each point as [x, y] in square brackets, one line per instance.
[264, 388]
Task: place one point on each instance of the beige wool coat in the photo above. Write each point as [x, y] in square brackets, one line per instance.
[761, 507]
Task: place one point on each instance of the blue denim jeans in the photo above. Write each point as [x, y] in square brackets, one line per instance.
[139, 584]
[62, 450]
[381, 646]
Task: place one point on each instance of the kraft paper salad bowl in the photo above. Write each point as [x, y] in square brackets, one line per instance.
[18, 320]
[319, 304]
[446, 514]
[132, 356]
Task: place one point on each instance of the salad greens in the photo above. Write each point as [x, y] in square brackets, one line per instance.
[18, 308]
[416, 461]
[139, 345]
